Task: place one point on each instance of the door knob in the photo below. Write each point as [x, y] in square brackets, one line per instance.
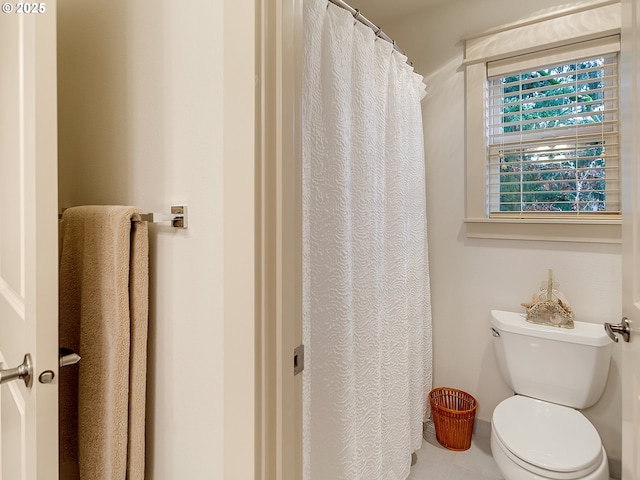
[23, 371]
[68, 357]
[622, 328]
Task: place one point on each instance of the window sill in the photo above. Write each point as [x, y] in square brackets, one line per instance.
[548, 230]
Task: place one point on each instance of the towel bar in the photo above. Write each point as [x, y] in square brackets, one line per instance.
[178, 216]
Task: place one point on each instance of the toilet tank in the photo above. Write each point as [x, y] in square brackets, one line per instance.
[559, 365]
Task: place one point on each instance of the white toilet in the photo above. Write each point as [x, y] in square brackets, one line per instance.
[538, 434]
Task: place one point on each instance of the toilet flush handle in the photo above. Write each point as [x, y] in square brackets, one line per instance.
[622, 328]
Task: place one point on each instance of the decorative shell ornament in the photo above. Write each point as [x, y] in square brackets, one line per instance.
[549, 307]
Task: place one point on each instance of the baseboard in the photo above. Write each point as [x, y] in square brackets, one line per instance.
[481, 428]
[429, 432]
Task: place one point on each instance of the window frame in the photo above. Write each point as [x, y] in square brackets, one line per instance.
[531, 140]
[569, 27]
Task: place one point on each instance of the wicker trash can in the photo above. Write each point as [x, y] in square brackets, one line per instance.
[453, 414]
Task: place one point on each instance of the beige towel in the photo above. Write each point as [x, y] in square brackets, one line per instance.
[104, 317]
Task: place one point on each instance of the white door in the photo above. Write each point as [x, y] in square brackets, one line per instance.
[28, 239]
[630, 111]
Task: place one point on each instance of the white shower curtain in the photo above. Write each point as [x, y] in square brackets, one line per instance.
[366, 297]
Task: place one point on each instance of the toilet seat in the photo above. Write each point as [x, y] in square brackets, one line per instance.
[547, 439]
[514, 468]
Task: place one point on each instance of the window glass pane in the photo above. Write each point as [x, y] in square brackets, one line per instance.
[553, 141]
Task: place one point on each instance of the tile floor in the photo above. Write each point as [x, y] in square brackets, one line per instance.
[437, 463]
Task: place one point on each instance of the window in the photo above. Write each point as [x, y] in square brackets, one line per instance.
[541, 128]
[553, 139]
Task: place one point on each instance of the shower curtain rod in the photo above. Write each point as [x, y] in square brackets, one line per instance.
[364, 20]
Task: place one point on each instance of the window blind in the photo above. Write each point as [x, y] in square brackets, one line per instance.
[553, 137]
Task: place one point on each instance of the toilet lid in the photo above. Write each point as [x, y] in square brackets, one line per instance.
[550, 436]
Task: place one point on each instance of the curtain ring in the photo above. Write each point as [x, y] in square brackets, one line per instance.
[356, 15]
[378, 32]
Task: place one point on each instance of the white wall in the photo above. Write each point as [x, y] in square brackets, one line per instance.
[156, 102]
[471, 277]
